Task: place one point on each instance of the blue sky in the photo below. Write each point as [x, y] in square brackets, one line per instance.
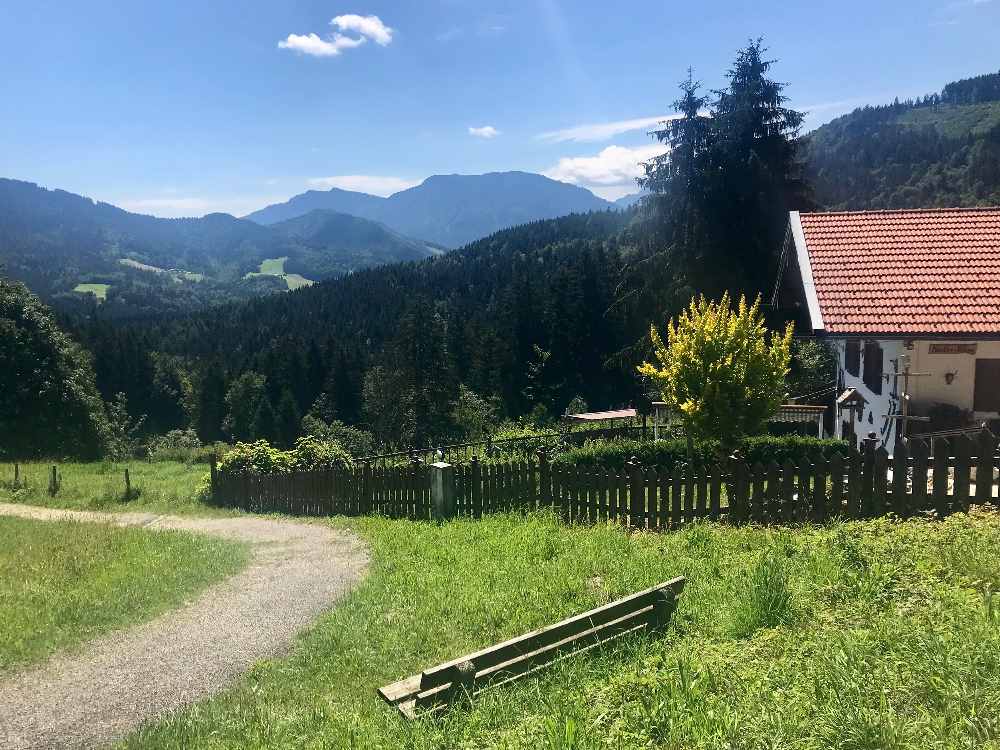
[183, 108]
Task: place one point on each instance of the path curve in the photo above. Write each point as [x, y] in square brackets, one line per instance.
[106, 689]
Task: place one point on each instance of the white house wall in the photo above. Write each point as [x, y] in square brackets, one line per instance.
[935, 388]
[878, 406]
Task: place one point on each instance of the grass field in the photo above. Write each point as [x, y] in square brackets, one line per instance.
[164, 486]
[860, 635]
[98, 290]
[276, 267]
[64, 582]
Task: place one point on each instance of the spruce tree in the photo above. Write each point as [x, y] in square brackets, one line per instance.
[288, 420]
[265, 423]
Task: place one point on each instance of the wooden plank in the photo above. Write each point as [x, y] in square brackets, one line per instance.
[663, 516]
[900, 475]
[757, 497]
[940, 479]
[918, 451]
[676, 512]
[821, 473]
[788, 501]
[715, 491]
[637, 496]
[880, 489]
[963, 473]
[546, 636]
[854, 483]
[985, 448]
[802, 510]
[772, 489]
[527, 663]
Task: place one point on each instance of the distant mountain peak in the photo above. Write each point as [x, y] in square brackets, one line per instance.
[450, 210]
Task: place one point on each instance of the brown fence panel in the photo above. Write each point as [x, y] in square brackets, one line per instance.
[918, 449]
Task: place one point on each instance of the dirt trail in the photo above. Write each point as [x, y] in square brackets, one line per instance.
[100, 692]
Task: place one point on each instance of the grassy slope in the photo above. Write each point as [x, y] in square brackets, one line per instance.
[164, 487]
[276, 267]
[858, 635]
[98, 290]
[63, 582]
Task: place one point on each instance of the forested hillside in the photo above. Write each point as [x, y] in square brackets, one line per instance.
[521, 317]
[941, 150]
[55, 241]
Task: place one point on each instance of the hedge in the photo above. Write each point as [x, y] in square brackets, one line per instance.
[614, 454]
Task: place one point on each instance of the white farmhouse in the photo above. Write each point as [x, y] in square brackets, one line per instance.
[898, 291]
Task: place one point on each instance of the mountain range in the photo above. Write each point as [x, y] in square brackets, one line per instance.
[62, 244]
[449, 210]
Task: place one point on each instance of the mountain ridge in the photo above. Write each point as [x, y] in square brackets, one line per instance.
[449, 210]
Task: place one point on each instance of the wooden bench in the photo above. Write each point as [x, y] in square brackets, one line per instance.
[436, 687]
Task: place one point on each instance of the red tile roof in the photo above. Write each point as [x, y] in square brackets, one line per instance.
[929, 271]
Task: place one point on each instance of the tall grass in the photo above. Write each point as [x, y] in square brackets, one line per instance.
[860, 635]
[63, 582]
[163, 486]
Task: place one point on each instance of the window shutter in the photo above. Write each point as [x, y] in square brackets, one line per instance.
[852, 357]
[873, 366]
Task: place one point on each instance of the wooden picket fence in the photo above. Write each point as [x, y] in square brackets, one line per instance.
[862, 484]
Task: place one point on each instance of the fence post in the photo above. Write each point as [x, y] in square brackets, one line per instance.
[128, 485]
[442, 490]
[213, 469]
[54, 482]
[17, 476]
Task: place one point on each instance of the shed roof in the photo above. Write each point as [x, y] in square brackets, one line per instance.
[597, 416]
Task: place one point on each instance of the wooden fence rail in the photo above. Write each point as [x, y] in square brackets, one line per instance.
[857, 485]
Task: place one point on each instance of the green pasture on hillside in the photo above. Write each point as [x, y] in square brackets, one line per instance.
[98, 290]
[276, 267]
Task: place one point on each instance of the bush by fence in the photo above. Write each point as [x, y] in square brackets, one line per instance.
[854, 485]
[665, 454]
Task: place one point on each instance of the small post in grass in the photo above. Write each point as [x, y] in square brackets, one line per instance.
[442, 490]
[53, 482]
[128, 486]
[17, 476]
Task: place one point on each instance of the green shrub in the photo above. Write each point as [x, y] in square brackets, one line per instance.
[184, 446]
[256, 458]
[519, 441]
[614, 454]
[312, 454]
[309, 454]
[355, 441]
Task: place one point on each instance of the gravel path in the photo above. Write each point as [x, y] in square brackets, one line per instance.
[103, 691]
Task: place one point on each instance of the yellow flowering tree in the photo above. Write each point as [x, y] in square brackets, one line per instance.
[720, 369]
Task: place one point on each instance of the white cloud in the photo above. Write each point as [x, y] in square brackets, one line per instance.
[365, 183]
[366, 27]
[487, 131]
[610, 173]
[602, 131]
